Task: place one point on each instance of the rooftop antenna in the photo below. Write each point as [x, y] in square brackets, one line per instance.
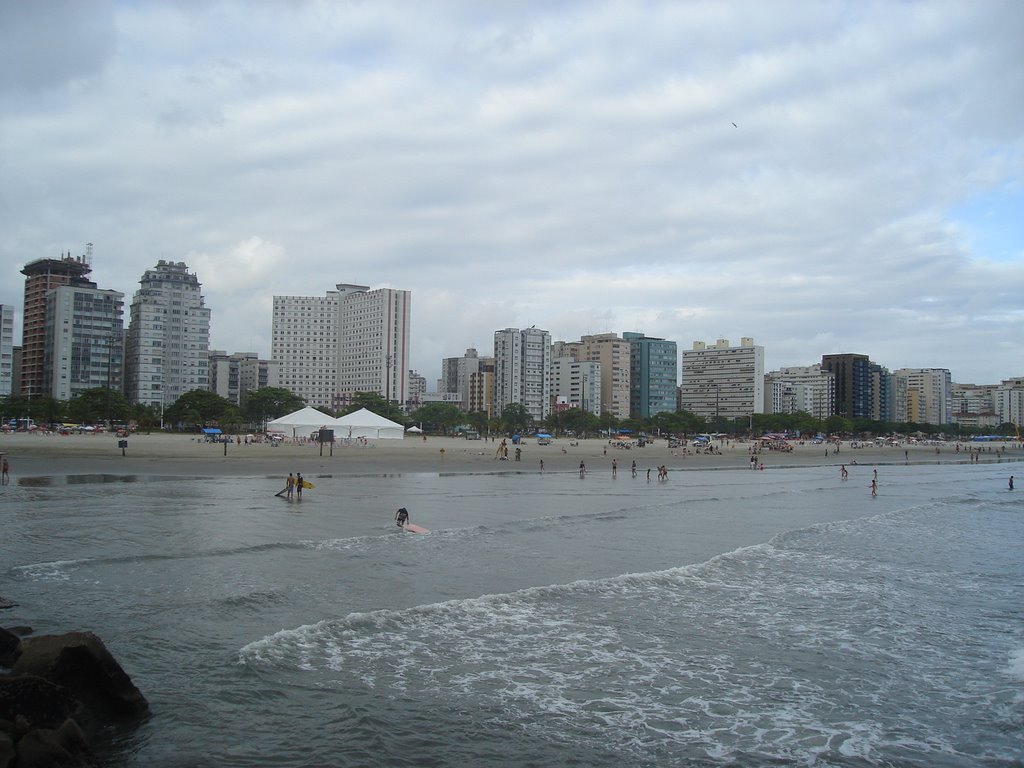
[88, 254]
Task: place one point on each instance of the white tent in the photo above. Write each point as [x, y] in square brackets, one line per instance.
[301, 423]
[364, 423]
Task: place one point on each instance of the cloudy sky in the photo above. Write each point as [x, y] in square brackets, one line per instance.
[822, 176]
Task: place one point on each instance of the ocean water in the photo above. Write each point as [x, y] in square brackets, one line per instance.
[720, 618]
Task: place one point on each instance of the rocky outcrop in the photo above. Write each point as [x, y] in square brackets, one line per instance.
[62, 692]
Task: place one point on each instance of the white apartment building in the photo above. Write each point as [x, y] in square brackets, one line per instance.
[350, 340]
[522, 363]
[84, 340]
[974, 405]
[373, 353]
[6, 349]
[1009, 402]
[232, 376]
[304, 343]
[795, 389]
[722, 381]
[928, 394]
[577, 384]
[168, 340]
[417, 389]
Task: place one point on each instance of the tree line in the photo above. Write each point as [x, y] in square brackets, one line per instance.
[202, 408]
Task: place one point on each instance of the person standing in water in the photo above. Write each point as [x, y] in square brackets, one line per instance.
[1011, 476]
[401, 517]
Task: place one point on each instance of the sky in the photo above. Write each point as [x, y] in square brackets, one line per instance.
[825, 177]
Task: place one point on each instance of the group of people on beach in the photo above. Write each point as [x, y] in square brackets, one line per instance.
[293, 486]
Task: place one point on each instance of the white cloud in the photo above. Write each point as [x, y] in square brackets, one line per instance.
[573, 166]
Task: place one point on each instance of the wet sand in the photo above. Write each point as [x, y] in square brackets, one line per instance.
[184, 455]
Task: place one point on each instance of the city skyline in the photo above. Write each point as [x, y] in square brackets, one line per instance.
[830, 178]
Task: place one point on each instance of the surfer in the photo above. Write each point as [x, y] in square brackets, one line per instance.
[290, 488]
[298, 486]
[5, 475]
[401, 517]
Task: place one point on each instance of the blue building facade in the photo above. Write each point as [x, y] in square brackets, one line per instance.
[653, 375]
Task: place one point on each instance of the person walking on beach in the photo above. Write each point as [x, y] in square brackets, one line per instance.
[615, 469]
[298, 486]
[843, 474]
[874, 487]
[583, 470]
[634, 468]
[542, 465]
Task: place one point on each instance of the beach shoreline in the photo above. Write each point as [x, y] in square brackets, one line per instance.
[33, 455]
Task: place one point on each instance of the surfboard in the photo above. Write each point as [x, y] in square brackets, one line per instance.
[307, 484]
[414, 528]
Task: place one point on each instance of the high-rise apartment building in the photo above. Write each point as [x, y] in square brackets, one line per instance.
[234, 376]
[853, 384]
[974, 405]
[455, 373]
[351, 340]
[928, 395]
[722, 381]
[481, 388]
[84, 342]
[304, 342]
[577, 384]
[522, 363]
[653, 380]
[417, 388]
[800, 389]
[6, 350]
[168, 340]
[41, 276]
[1009, 402]
[613, 353]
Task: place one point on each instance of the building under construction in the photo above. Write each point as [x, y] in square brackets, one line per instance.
[40, 277]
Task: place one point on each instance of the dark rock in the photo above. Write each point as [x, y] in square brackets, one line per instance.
[63, 747]
[31, 702]
[7, 752]
[9, 647]
[20, 631]
[5, 603]
[80, 663]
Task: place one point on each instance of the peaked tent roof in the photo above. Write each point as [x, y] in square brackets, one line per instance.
[302, 419]
[364, 423]
[365, 418]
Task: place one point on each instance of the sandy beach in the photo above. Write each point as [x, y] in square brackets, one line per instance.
[183, 455]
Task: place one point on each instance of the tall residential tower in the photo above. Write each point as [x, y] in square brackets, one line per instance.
[168, 341]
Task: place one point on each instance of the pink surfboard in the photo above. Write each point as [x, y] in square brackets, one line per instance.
[414, 528]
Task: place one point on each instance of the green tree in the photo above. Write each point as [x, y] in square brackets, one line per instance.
[371, 401]
[479, 421]
[98, 405]
[196, 408]
[515, 419]
[262, 405]
[438, 417]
